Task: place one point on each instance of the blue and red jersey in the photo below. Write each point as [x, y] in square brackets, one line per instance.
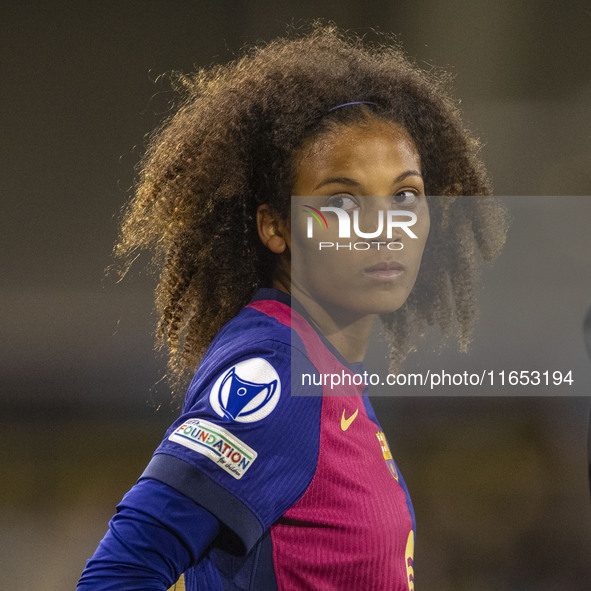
[303, 482]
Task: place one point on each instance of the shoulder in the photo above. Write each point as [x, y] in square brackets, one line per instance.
[257, 345]
[252, 347]
[260, 320]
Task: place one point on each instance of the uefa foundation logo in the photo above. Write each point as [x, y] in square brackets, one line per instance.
[390, 221]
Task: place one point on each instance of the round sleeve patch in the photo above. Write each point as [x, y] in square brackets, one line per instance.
[247, 392]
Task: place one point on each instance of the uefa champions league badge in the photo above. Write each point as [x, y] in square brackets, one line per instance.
[247, 392]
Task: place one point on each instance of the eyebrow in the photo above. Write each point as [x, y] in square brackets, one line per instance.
[343, 180]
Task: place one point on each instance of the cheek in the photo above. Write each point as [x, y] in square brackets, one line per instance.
[423, 226]
[297, 234]
[416, 246]
[302, 223]
[425, 232]
[319, 267]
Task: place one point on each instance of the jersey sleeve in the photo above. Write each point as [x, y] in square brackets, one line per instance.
[156, 534]
[243, 448]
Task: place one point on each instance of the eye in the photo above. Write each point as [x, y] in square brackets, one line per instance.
[342, 202]
[406, 197]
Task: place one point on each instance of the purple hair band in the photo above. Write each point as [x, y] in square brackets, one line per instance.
[352, 103]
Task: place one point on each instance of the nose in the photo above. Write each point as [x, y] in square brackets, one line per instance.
[372, 221]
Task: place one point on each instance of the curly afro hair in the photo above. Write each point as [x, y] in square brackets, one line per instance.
[230, 147]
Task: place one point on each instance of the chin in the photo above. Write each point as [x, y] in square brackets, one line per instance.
[371, 304]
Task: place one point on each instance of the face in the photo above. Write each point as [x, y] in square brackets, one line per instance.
[362, 170]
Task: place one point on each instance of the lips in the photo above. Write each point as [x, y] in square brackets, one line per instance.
[384, 270]
[385, 267]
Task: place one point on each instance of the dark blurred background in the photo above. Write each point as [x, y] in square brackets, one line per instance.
[499, 483]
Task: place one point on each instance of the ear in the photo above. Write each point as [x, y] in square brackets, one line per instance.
[272, 229]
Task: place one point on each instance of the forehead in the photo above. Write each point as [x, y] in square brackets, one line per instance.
[364, 148]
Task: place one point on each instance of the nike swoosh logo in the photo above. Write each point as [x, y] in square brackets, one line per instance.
[346, 423]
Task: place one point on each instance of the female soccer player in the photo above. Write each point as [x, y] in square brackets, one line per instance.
[263, 482]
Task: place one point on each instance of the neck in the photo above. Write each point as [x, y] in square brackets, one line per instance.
[347, 331]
